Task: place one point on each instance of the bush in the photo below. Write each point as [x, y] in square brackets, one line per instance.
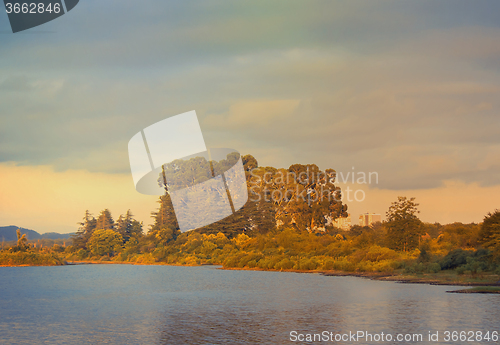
[249, 257]
[30, 258]
[82, 254]
[284, 264]
[308, 264]
[410, 269]
[474, 261]
[434, 268]
[455, 258]
[424, 255]
[263, 263]
[344, 265]
[145, 259]
[251, 264]
[497, 271]
[377, 253]
[383, 266]
[231, 261]
[329, 264]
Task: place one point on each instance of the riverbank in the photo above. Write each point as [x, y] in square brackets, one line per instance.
[480, 290]
[451, 278]
[17, 259]
[440, 278]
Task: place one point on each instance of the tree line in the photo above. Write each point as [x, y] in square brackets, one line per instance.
[287, 225]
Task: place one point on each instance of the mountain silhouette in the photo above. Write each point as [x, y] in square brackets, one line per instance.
[8, 233]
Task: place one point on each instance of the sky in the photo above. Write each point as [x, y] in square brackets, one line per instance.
[407, 89]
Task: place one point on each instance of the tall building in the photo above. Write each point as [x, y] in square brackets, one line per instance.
[343, 223]
[368, 219]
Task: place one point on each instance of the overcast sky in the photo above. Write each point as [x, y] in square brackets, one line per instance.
[407, 89]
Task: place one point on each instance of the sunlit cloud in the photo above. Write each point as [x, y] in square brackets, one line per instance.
[406, 89]
[39, 198]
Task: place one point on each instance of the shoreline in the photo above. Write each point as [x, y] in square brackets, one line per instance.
[383, 276]
[409, 279]
[437, 279]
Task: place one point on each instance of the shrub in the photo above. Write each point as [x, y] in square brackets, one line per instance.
[284, 264]
[329, 264]
[231, 261]
[497, 271]
[344, 265]
[434, 268]
[454, 259]
[308, 264]
[410, 269]
[29, 258]
[377, 253]
[263, 263]
[82, 254]
[249, 257]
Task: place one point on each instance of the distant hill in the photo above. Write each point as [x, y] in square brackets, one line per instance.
[55, 236]
[8, 233]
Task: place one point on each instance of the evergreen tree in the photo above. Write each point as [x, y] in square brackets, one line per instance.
[127, 226]
[85, 230]
[105, 242]
[165, 227]
[105, 221]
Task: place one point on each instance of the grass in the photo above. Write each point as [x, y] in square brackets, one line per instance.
[447, 277]
[30, 259]
[480, 289]
[486, 289]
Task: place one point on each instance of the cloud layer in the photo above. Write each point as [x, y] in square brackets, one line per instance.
[407, 89]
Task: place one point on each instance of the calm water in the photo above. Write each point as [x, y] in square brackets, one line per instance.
[124, 304]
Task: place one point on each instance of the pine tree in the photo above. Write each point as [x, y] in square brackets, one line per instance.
[85, 230]
[105, 221]
[127, 226]
[165, 227]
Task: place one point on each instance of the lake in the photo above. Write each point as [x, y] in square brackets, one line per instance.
[126, 304]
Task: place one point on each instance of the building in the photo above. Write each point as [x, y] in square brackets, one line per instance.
[368, 219]
[343, 223]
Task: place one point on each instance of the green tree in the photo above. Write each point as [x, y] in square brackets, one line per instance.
[105, 242]
[85, 230]
[105, 221]
[403, 226]
[128, 227]
[165, 227]
[489, 234]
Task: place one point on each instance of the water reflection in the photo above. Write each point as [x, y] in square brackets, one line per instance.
[121, 304]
